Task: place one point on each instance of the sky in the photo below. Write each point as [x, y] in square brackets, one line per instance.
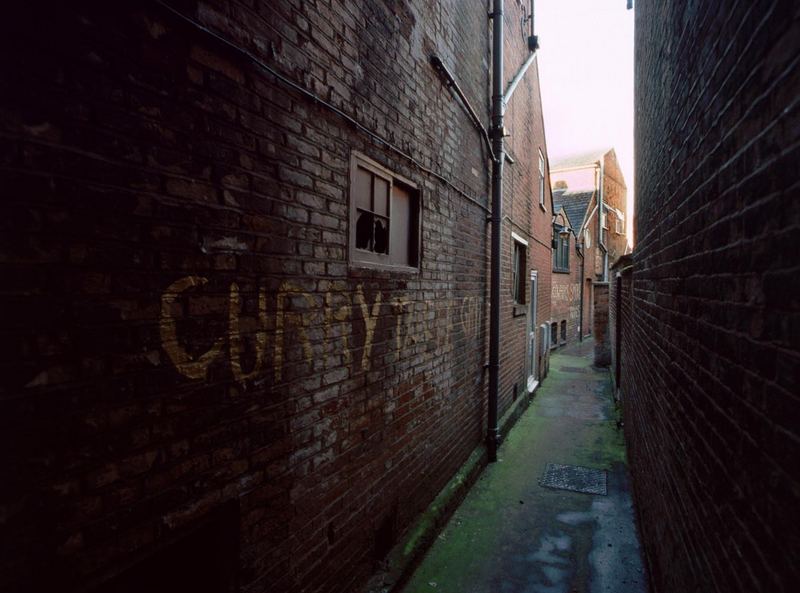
[586, 73]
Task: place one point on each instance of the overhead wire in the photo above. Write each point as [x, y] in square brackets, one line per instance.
[320, 101]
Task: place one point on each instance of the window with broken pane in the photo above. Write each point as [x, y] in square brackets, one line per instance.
[372, 211]
[384, 222]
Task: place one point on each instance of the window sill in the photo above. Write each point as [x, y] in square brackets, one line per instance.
[362, 266]
[560, 271]
[519, 310]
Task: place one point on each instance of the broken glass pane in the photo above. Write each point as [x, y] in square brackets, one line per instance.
[381, 235]
[364, 226]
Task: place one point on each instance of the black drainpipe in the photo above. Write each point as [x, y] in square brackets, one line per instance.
[499, 101]
[583, 273]
[497, 133]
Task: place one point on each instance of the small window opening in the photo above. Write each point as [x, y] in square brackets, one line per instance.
[384, 219]
[560, 249]
[518, 273]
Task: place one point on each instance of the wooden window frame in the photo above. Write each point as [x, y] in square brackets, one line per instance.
[519, 269]
[560, 251]
[361, 258]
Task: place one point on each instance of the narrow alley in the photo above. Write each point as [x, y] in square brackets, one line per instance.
[400, 296]
[514, 534]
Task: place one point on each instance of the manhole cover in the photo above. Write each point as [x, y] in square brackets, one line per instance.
[574, 478]
[573, 369]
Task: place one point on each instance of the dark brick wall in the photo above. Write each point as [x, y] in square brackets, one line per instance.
[711, 364]
[185, 343]
[619, 316]
[600, 329]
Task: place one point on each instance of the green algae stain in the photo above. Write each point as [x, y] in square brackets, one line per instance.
[508, 489]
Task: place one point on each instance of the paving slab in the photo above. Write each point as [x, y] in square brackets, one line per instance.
[514, 535]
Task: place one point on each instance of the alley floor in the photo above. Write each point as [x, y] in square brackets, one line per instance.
[513, 535]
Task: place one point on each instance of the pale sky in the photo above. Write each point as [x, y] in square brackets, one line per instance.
[586, 73]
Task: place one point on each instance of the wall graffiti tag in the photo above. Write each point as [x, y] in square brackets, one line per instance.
[290, 321]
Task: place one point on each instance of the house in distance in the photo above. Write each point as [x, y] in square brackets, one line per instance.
[588, 190]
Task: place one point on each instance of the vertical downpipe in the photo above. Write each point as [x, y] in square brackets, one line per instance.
[498, 108]
[583, 273]
[601, 210]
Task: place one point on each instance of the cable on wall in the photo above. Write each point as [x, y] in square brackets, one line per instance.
[318, 100]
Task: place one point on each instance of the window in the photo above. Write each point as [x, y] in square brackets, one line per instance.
[560, 249]
[541, 180]
[604, 220]
[563, 331]
[587, 239]
[619, 226]
[384, 217]
[519, 269]
[553, 334]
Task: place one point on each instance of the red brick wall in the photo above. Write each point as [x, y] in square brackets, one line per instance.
[615, 194]
[566, 292]
[600, 326]
[522, 213]
[711, 364]
[183, 332]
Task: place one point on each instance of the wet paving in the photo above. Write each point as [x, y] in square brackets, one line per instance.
[513, 534]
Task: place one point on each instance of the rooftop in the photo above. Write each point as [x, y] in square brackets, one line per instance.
[583, 159]
[574, 203]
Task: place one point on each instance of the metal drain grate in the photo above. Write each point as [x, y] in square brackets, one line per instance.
[575, 478]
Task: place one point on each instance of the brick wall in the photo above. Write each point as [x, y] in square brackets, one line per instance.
[523, 214]
[619, 315]
[710, 366]
[566, 293]
[600, 327]
[615, 194]
[187, 350]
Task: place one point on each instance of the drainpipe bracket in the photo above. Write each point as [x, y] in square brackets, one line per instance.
[533, 43]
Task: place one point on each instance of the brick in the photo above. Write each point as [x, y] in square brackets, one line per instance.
[703, 317]
[185, 332]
